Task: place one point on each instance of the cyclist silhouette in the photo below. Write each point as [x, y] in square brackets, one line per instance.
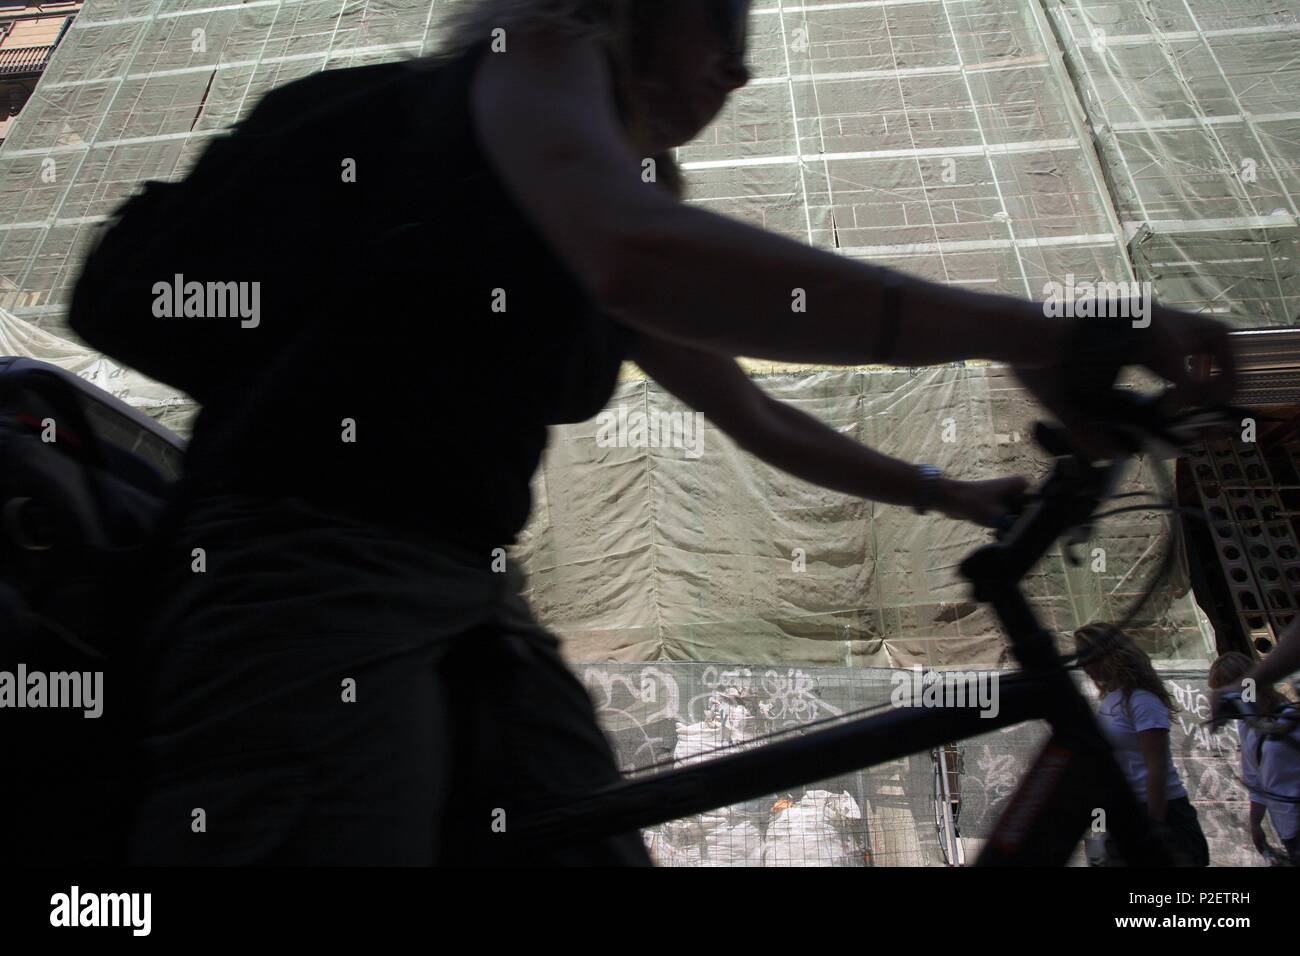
[338, 667]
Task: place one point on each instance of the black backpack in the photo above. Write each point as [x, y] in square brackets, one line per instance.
[83, 480]
[265, 195]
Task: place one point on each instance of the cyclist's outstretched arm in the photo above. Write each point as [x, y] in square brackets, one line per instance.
[544, 115]
[803, 446]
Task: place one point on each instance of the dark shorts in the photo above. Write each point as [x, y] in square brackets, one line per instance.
[325, 693]
[1182, 834]
[1183, 829]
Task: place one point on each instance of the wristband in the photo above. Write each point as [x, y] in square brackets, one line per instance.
[927, 488]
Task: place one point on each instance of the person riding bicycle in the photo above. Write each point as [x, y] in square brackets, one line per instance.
[338, 666]
[1270, 764]
[1134, 713]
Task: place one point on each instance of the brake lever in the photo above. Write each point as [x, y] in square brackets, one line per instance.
[1196, 420]
[1144, 425]
[1141, 421]
[1151, 424]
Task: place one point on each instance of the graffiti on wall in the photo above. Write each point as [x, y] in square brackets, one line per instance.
[670, 714]
[675, 715]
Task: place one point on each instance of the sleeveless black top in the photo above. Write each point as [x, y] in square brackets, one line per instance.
[433, 318]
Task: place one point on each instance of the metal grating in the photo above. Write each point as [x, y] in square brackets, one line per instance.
[1253, 533]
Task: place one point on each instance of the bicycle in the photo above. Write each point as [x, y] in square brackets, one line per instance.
[1075, 774]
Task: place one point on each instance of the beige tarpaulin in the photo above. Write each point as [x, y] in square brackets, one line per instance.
[678, 548]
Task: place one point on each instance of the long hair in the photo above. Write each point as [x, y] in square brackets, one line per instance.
[621, 28]
[1228, 671]
[1114, 662]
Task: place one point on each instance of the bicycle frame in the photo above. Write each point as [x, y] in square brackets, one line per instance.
[1074, 776]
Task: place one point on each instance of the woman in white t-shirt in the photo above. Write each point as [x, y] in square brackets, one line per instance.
[1134, 713]
[1270, 763]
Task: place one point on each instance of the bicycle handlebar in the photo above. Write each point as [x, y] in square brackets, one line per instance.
[1135, 423]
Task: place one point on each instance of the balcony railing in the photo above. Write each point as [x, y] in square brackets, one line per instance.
[24, 59]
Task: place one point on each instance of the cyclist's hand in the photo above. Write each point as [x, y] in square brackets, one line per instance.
[1181, 347]
[985, 502]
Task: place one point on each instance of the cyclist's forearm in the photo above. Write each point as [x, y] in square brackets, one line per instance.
[809, 449]
[778, 433]
[717, 284]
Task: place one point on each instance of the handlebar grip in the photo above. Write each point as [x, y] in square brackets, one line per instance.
[1101, 348]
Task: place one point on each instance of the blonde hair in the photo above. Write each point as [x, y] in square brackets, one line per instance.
[1114, 662]
[619, 27]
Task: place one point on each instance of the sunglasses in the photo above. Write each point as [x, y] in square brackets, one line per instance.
[731, 19]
